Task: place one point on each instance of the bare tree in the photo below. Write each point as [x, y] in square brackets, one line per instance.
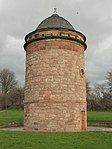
[16, 97]
[88, 89]
[7, 82]
[109, 81]
[100, 98]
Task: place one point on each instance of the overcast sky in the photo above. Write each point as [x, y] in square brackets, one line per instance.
[91, 17]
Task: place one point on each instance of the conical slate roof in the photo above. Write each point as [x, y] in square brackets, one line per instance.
[55, 21]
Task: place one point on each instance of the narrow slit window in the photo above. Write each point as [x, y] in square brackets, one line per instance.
[82, 72]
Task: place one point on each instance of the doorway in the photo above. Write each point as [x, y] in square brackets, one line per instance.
[83, 119]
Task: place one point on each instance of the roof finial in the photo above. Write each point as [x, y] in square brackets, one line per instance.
[55, 11]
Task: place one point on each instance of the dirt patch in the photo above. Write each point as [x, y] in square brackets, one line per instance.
[13, 128]
[89, 129]
[8, 125]
[99, 129]
[100, 124]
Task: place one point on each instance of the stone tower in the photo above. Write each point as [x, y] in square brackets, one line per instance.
[55, 92]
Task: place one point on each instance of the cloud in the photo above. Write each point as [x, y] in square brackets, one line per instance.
[94, 19]
[13, 58]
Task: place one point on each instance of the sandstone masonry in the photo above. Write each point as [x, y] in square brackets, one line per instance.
[55, 92]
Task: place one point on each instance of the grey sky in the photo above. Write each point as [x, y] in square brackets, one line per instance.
[94, 19]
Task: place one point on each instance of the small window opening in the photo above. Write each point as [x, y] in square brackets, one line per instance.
[60, 34]
[36, 35]
[51, 34]
[30, 37]
[82, 71]
[42, 34]
[68, 35]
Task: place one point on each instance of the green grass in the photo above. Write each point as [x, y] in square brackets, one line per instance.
[11, 116]
[33, 140]
[100, 116]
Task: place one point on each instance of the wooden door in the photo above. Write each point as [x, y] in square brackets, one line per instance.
[83, 119]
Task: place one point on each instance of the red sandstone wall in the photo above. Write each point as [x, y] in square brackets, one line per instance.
[55, 85]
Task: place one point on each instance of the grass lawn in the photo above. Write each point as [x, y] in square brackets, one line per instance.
[37, 140]
[100, 116]
[11, 116]
[34, 140]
